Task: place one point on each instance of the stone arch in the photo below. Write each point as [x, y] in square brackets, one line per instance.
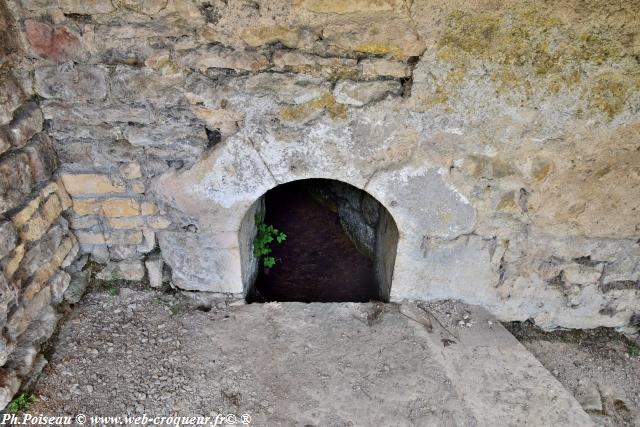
[215, 194]
[385, 233]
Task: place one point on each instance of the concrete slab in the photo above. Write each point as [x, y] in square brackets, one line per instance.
[441, 364]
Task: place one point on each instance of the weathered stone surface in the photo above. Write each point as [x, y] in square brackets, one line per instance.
[83, 184]
[59, 284]
[124, 270]
[43, 160]
[362, 93]
[26, 123]
[120, 207]
[71, 82]
[55, 43]
[154, 266]
[15, 181]
[11, 96]
[219, 57]
[8, 238]
[192, 272]
[85, 7]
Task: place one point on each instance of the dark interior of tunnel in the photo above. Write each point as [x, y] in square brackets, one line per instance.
[329, 254]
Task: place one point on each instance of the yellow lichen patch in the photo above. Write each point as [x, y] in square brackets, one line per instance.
[608, 93]
[269, 34]
[380, 49]
[541, 169]
[306, 111]
[507, 201]
[471, 33]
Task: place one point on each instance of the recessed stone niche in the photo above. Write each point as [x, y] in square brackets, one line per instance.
[343, 246]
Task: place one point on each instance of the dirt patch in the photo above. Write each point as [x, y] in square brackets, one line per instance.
[317, 262]
[600, 367]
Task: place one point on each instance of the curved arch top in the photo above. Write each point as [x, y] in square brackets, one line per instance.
[221, 188]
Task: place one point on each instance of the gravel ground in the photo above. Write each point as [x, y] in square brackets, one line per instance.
[142, 351]
[600, 367]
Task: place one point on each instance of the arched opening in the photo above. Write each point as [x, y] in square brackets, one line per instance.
[340, 244]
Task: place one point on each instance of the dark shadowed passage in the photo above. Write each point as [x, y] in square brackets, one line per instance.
[318, 261]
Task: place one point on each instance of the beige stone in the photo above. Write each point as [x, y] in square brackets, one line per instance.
[120, 207]
[125, 222]
[374, 68]
[23, 216]
[81, 184]
[138, 187]
[131, 170]
[46, 271]
[148, 208]
[90, 237]
[40, 222]
[158, 223]
[86, 206]
[14, 260]
[65, 200]
[124, 237]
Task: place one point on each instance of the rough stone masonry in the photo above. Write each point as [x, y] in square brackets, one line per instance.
[502, 136]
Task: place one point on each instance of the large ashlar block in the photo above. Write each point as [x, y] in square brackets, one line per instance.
[88, 183]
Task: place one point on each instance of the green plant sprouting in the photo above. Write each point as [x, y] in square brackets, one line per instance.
[21, 403]
[262, 243]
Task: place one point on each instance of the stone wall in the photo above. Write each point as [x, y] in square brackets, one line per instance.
[501, 136]
[35, 242]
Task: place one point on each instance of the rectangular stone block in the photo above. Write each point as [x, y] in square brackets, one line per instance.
[86, 207]
[43, 159]
[15, 180]
[89, 183]
[80, 82]
[131, 222]
[26, 123]
[120, 207]
[42, 219]
[90, 237]
[124, 237]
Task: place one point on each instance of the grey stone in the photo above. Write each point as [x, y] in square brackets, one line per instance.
[11, 96]
[59, 284]
[362, 93]
[132, 270]
[8, 238]
[77, 286]
[26, 123]
[191, 271]
[43, 159]
[15, 180]
[67, 82]
[154, 266]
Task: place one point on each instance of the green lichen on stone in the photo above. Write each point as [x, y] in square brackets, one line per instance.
[297, 113]
[535, 51]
